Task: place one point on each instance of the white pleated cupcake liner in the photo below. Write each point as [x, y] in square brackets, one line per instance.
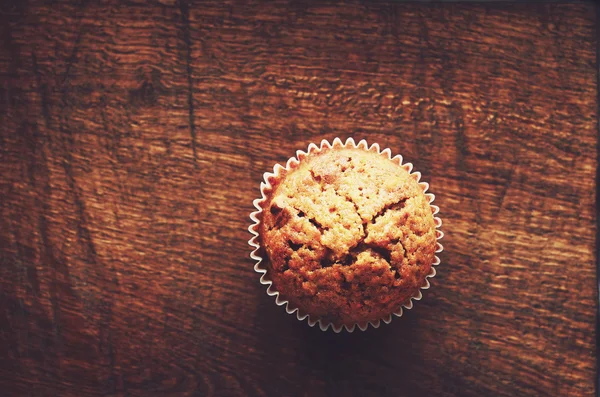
[260, 266]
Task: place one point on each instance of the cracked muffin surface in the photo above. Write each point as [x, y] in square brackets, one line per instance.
[349, 235]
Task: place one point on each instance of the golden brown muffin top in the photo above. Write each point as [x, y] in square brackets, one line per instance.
[349, 235]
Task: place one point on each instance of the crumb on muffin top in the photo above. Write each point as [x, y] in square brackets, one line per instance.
[349, 235]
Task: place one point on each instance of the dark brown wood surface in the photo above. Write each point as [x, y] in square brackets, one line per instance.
[133, 138]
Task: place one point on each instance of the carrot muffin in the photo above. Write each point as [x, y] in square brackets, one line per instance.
[347, 235]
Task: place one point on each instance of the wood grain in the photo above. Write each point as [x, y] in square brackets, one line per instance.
[134, 136]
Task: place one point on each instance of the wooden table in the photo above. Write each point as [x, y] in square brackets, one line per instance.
[133, 141]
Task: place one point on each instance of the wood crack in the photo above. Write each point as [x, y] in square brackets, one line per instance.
[185, 27]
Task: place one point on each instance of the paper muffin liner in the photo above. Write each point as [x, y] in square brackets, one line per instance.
[260, 266]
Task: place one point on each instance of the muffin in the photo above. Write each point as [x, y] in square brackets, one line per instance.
[347, 235]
